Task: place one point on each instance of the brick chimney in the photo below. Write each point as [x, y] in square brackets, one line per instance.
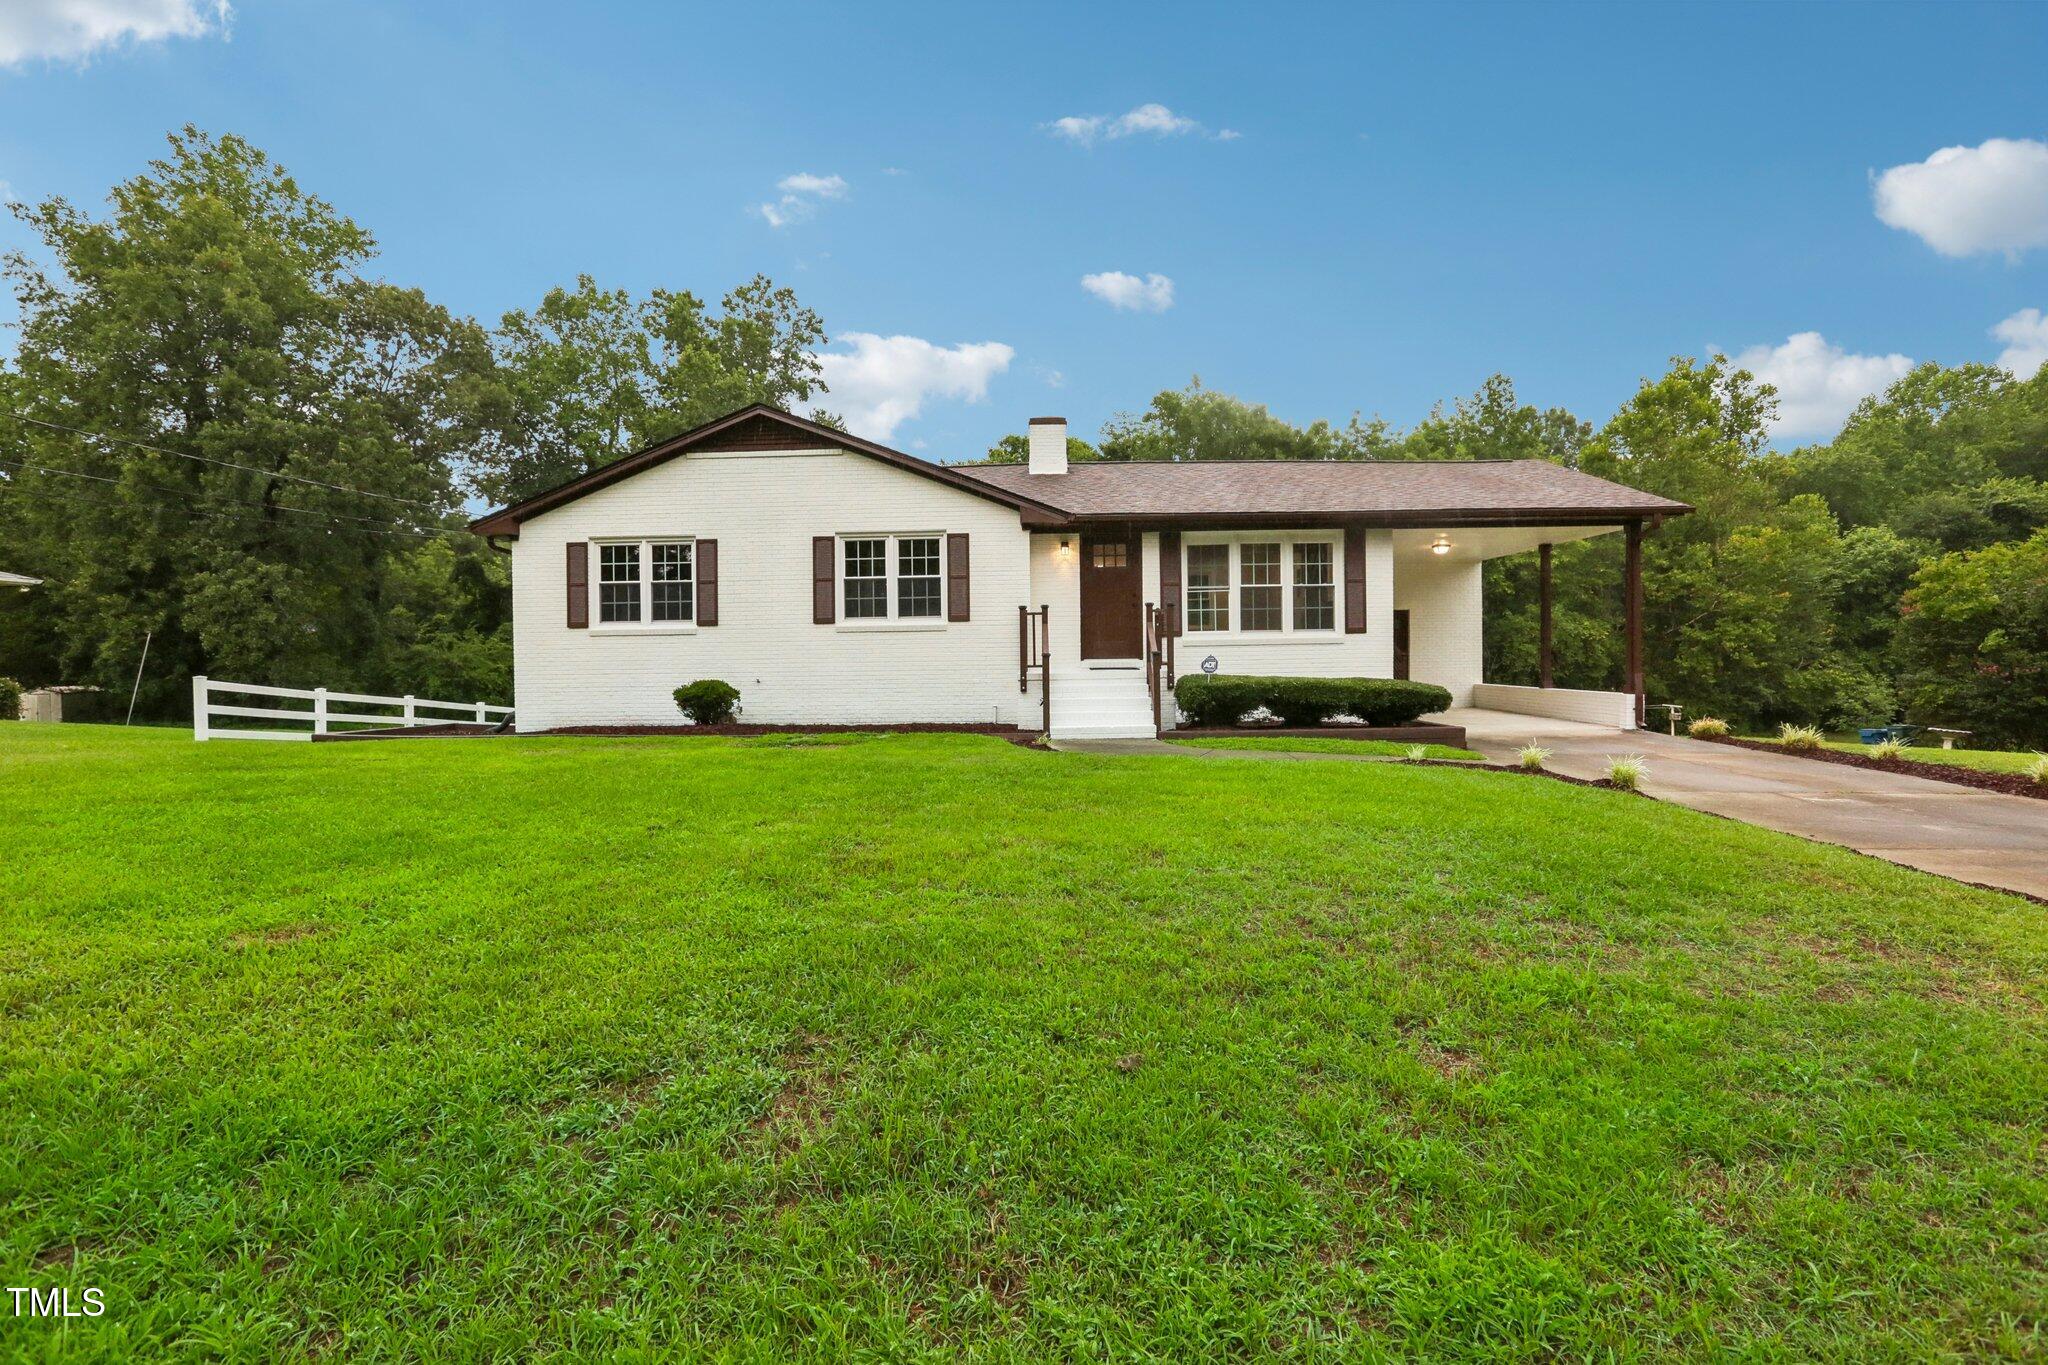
[1048, 445]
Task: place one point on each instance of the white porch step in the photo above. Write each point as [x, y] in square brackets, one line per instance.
[1101, 703]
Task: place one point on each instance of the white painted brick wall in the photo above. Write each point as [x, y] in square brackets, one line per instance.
[1615, 709]
[763, 510]
[1446, 622]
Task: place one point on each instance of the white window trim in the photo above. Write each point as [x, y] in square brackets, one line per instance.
[891, 622]
[1287, 634]
[646, 625]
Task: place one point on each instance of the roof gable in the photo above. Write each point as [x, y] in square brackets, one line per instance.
[755, 427]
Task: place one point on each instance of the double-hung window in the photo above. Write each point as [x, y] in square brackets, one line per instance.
[1208, 587]
[646, 582]
[892, 578]
[1261, 585]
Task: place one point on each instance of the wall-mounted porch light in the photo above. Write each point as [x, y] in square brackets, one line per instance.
[1441, 545]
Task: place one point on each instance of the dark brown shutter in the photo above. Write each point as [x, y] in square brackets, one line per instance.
[1169, 579]
[707, 582]
[824, 591]
[579, 584]
[1354, 580]
[956, 576]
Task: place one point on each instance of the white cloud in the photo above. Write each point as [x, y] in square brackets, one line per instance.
[73, 30]
[1992, 197]
[883, 382]
[2025, 335]
[1154, 119]
[1818, 384]
[1153, 294]
[800, 196]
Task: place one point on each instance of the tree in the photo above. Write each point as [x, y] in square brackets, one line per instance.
[1494, 425]
[592, 375]
[270, 426]
[1195, 423]
[1973, 641]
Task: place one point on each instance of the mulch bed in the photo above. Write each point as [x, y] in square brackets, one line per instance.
[1450, 736]
[1022, 738]
[2011, 784]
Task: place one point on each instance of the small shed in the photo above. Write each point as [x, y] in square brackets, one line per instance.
[47, 704]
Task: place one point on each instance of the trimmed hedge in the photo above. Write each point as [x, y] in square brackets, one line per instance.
[1215, 699]
[707, 701]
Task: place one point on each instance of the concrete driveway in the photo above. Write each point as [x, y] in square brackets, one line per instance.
[1958, 832]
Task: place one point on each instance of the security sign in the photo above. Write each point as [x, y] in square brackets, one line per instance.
[1209, 664]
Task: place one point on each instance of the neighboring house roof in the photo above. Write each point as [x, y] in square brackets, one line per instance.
[755, 427]
[1386, 492]
[15, 580]
[1235, 492]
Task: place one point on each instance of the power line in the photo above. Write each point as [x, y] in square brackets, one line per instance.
[368, 522]
[239, 519]
[226, 464]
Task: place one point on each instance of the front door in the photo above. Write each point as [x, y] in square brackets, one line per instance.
[1112, 600]
[1401, 643]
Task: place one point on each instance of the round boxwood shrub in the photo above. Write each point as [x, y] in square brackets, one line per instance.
[708, 701]
[1221, 699]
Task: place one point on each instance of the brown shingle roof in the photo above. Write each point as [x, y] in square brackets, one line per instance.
[1390, 491]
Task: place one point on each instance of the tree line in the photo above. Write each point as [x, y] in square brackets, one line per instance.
[219, 430]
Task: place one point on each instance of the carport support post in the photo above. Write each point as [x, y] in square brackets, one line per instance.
[1632, 589]
[1543, 615]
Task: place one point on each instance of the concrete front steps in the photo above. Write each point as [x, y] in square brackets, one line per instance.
[1101, 703]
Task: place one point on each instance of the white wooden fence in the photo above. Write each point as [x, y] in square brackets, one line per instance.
[322, 715]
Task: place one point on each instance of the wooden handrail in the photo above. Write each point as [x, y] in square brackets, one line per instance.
[1034, 650]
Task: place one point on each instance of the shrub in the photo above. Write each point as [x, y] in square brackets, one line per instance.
[708, 701]
[1224, 699]
[1804, 738]
[1626, 771]
[1532, 757]
[1415, 753]
[1707, 727]
[2037, 771]
[1888, 748]
[10, 699]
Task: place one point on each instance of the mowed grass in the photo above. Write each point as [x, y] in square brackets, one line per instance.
[575, 1048]
[1316, 744]
[1984, 760]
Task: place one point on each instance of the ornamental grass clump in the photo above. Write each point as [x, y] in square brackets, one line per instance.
[1804, 738]
[1415, 753]
[1626, 771]
[1708, 727]
[2037, 771]
[1888, 748]
[1531, 757]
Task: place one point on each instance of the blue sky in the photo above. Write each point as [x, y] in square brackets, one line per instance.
[1357, 208]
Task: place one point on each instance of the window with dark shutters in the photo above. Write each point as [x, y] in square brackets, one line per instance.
[824, 579]
[707, 582]
[579, 585]
[956, 576]
[1354, 580]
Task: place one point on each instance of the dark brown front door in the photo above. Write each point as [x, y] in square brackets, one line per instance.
[1401, 643]
[1112, 605]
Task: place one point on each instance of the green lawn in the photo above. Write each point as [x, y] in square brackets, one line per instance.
[630, 1047]
[1315, 744]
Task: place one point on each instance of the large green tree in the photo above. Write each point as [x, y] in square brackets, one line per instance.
[1196, 423]
[1973, 641]
[269, 427]
[593, 374]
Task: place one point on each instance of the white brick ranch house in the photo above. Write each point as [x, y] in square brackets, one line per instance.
[834, 580]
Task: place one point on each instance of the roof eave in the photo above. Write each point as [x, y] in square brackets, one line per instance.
[506, 521]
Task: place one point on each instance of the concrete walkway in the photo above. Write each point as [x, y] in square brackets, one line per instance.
[1973, 836]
